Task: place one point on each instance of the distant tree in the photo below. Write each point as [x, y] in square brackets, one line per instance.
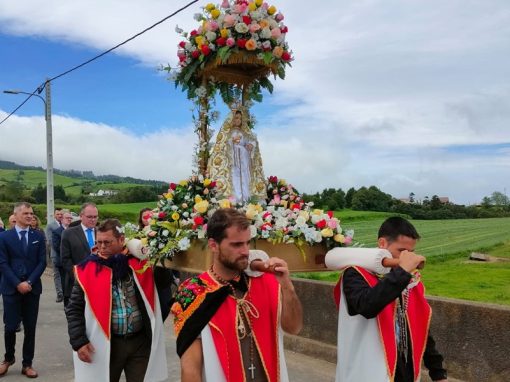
[12, 191]
[499, 199]
[371, 199]
[348, 197]
[486, 202]
[411, 197]
[435, 203]
[39, 194]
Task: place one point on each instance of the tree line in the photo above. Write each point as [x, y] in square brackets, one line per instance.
[373, 199]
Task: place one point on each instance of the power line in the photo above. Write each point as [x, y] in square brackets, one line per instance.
[40, 88]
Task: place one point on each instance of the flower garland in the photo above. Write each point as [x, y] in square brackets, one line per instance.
[183, 212]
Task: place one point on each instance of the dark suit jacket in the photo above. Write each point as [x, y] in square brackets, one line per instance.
[74, 247]
[55, 240]
[17, 266]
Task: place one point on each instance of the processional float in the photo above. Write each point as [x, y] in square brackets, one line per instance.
[235, 48]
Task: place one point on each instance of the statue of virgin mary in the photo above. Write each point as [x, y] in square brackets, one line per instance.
[235, 162]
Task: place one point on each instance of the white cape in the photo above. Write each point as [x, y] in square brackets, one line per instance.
[99, 369]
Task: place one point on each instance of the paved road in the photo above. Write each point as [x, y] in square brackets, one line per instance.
[53, 359]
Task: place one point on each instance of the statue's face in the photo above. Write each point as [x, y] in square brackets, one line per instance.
[238, 120]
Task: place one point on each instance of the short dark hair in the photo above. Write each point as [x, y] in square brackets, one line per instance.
[397, 226]
[223, 219]
[111, 225]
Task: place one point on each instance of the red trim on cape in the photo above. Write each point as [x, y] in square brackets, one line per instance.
[145, 279]
[264, 293]
[418, 320]
[98, 291]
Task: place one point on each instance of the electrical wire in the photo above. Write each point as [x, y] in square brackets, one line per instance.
[39, 89]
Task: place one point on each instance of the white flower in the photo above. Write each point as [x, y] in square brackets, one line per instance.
[185, 214]
[200, 92]
[184, 244]
[197, 16]
[266, 44]
[211, 36]
[161, 245]
[253, 231]
[165, 232]
[265, 33]
[201, 233]
[188, 46]
[243, 28]
[256, 15]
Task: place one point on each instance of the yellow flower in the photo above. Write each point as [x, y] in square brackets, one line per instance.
[175, 216]
[143, 241]
[277, 51]
[199, 40]
[284, 203]
[251, 44]
[207, 182]
[210, 7]
[259, 2]
[263, 24]
[198, 198]
[251, 213]
[282, 182]
[317, 212]
[252, 6]
[183, 183]
[305, 215]
[327, 232]
[224, 32]
[224, 203]
[202, 206]
[168, 195]
[339, 238]
[271, 10]
[215, 13]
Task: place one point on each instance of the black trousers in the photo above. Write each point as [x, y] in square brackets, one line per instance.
[131, 355]
[20, 307]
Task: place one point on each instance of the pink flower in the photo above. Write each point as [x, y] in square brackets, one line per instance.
[278, 17]
[348, 240]
[277, 199]
[332, 223]
[225, 4]
[254, 28]
[212, 26]
[229, 20]
[231, 42]
[276, 32]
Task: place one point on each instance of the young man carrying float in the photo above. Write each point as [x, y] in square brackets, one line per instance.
[228, 324]
[384, 318]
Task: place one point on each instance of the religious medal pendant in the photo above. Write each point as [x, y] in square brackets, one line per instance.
[240, 327]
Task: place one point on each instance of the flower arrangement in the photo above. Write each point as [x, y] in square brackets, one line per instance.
[239, 31]
[182, 214]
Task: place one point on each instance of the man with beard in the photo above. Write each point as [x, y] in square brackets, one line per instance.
[114, 316]
[228, 324]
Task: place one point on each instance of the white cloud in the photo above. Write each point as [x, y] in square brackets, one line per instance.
[381, 92]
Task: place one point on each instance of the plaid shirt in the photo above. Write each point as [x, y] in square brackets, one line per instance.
[126, 314]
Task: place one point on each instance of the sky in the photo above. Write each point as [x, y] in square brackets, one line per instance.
[409, 96]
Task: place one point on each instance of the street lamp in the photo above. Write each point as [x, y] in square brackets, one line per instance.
[50, 202]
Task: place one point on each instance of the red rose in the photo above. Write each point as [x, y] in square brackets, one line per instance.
[241, 43]
[195, 54]
[321, 224]
[182, 58]
[247, 20]
[182, 44]
[212, 184]
[273, 179]
[265, 226]
[205, 50]
[286, 56]
[198, 220]
[284, 29]
[162, 215]
[193, 32]
[221, 41]
[330, 214]
[173, 186]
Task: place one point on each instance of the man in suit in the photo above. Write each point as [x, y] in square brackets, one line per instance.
[22, 262]
[50, 229]
[76, 245]
[55, 240]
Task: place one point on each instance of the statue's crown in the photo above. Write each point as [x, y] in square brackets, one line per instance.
[236, 105]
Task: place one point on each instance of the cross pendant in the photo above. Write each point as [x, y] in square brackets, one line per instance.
[252, 369]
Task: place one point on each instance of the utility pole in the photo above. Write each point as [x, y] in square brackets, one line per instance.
[50, 194]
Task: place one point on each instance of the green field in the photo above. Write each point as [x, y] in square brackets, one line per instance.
[447, 244]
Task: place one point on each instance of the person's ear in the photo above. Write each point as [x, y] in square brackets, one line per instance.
[382, 242]
[213, 246]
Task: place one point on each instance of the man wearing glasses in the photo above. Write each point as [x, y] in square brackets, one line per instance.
[114, 316]
[77, 243]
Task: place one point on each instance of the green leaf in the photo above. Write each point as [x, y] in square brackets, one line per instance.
[281, 72]
[267, 57]
[224, 53]
[265, 83]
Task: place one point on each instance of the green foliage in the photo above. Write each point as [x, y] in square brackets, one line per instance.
[371, 199]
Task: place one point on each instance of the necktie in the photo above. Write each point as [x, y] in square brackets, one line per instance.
[90, 237]
[24, 244]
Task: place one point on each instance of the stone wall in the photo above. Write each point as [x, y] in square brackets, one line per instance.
[473, 337]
